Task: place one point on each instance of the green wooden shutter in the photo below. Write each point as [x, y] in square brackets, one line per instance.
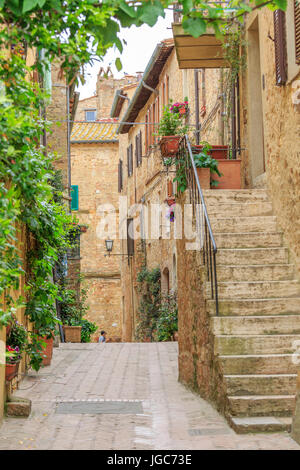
[74, 196]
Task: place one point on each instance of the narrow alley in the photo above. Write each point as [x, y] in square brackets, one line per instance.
[121, 396]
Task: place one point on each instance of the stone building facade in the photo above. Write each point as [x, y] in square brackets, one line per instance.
[94, 169]
[268, 124]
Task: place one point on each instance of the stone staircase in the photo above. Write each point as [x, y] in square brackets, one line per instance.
[259, 311]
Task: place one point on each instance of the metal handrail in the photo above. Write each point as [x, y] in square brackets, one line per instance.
[203, 226]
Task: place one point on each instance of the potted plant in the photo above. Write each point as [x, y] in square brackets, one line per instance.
[206, 167]
[218, 152]
[46, 337]
[180, 108]
[171, 131]
[229, 176]
[12, 361]
[16, 343]
[83, 228]
[73, 308]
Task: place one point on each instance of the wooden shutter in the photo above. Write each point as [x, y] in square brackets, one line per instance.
[140, 148]
[280, 47]
[120, 176]
[137, 147]
[75, 197]
[131, 159]
[146, 134]
[128, 162]
[130, 240]
[297, 30]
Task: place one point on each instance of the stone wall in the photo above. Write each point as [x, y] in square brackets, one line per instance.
[94, 170]
[199, 368]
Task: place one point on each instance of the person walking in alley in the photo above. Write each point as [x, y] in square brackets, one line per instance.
[102, 337]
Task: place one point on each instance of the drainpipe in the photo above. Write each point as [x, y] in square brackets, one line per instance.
[149, 88]
[222, 129]
[197, 106]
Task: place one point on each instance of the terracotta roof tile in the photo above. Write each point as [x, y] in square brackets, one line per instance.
[97, 131]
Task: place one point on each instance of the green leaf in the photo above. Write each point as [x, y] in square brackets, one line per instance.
[187, 5]
[281, 4]
[150, 12]
[118, 64]
[130, 11]
[29, 5]
[2, 3]
[195, 26]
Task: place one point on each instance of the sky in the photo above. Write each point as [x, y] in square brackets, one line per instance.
[141, 43]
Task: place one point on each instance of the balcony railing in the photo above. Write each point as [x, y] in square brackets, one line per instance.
[204, 234]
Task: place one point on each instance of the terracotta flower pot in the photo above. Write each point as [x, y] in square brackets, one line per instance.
[204, 177]
[169, 145]
[72, 334]
[218, 152]
[83, 229]
[11, 371]
[231, 171]
[47, 350]
[175, 336]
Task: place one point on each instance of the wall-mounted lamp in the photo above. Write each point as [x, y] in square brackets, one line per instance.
[109, 246]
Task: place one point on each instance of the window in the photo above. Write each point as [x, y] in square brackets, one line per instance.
[120, 176]
[90, 115]
[297, 30]
[130, 239]
[129, 160]
[75, 197]
[280, 47]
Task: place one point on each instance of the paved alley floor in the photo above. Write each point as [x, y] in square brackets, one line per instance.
[117, 379]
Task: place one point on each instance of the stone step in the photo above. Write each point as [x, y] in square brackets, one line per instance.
[277, 405]
[263, 325]
[259, 289]
[279, 384]
[260, 272]
[234, 195]
[248, 240]
[243, 209]
[256, 307]
[256, 344]
[244, 224]
[252, 256]
[251, 424]
[261, 364]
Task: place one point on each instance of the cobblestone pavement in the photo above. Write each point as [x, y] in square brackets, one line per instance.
[143, 374]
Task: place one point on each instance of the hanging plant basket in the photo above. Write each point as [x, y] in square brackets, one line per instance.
[169, 145]
[11, 371]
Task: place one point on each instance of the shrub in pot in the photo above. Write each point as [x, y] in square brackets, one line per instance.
[206, 167]
[171, 130]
